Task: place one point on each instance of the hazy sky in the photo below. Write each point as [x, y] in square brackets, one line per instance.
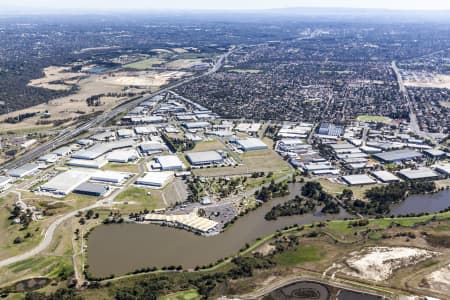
[219, 4]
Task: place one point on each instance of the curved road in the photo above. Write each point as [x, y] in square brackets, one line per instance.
[68, 134]
[48, 237]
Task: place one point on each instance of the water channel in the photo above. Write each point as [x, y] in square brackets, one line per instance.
[121, 248]
[423, 203]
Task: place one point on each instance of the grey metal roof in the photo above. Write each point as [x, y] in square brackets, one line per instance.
[92, 188]
[202, 157]
[398, 155]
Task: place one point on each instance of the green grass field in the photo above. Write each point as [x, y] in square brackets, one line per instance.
[299, 256]
[139, 197]
[380, 119]
[145, 64]
[245, 71]
[264, 161]
[211, 145]
[184, 295]
[122, 167]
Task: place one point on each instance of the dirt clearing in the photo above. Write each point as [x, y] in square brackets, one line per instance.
[439, 280]
[379, 263]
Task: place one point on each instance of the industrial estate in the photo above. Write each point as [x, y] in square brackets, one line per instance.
[260, 166]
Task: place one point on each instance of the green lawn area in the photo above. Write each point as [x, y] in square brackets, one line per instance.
[299, 256]
[145, 64]
[336, 188]
[341, 228]
[264, 161]
[380, 119]
[245, 71]
[139, 197]
[220, 171]
[184, 295]
[211, 145]
[122, 167]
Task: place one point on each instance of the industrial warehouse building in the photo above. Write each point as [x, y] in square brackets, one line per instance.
[419, 174]
[64, 183]
[205, 158]
[83, 163]
[4, 183]
[169, 163]
[443, 169]
[100, 149]
[398, 155]
[361, 179]
[110, 176]
[251, 144]
[149, 148]
[91, 189]
[25, 170]
[435, 153]
[293, 145]
[330, 129]
[197, 125]
[122, 156]
[49, 158]
[155, 179]
[190, 222]
[63, 151]
[385, 176]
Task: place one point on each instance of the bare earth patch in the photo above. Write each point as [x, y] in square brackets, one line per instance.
[143, 78]
[265, 249]
[423, 79]
[439, 280]
[55, 74]
[379, 263]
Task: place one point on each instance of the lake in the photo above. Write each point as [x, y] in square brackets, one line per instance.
[431, 203]
[121, 248]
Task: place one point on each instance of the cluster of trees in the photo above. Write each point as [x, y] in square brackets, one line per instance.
[296, 206]
[258, 174]
[176, 144]
[23, 216]
[314, 190]
[273, 190]
[381, 197]
[20, 118]
[59, 294]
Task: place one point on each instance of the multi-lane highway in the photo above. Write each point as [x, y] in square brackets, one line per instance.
[71, 132]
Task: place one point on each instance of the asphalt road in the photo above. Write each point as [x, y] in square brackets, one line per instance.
[71, 132]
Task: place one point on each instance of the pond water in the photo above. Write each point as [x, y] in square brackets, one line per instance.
[121, 248]
[431, 203]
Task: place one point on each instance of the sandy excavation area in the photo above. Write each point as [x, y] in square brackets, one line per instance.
[439, 280]
[71, 106]
[379, 263]
[428, 80]
[54, 76]
[142, 78]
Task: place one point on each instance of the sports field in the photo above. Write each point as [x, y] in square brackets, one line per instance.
[380, 119]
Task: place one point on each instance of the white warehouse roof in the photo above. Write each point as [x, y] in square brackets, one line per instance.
[444, 168]
[156, 179]
[358, 179]
[122, 156]
[96, 164]
[421, 173]
[252, 144]
[110, 176]
[170, 162]
[205, 157]
[385, 176]
[66, 182]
